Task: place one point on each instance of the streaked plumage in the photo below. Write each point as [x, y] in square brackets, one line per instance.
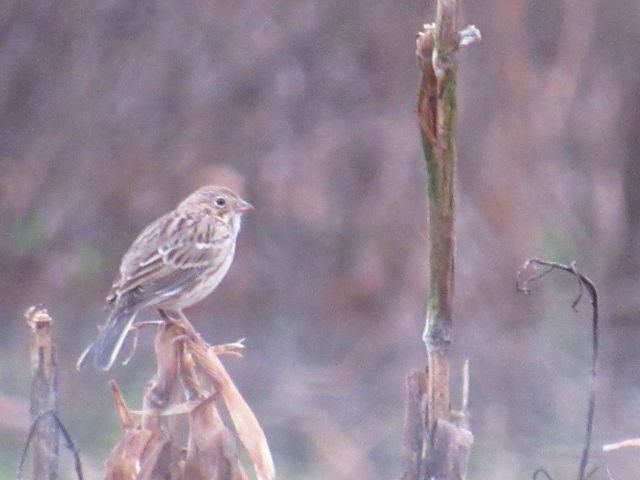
[174, 263]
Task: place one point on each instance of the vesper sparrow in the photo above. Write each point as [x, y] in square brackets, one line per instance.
[174, 263]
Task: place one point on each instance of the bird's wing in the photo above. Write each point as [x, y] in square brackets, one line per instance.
[169, 254]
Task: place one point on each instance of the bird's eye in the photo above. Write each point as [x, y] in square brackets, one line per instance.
[220, 202]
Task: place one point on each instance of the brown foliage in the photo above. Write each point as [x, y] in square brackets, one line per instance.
[188, 381]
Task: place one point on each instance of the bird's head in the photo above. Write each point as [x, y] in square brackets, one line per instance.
[219, 201]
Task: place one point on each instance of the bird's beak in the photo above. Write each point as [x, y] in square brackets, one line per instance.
[243, 206]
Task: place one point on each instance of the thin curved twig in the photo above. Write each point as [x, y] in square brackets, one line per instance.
[541, 471]
[68, 443]
[584, 282]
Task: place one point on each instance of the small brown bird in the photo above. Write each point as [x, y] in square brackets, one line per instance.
[174, 263]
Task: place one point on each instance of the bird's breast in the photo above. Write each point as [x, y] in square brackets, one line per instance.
[202, 285]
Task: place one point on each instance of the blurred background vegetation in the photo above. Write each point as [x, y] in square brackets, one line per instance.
[111, 112]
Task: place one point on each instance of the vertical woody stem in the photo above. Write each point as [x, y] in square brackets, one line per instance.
[437, 120]
[44, 395]
[437, 444]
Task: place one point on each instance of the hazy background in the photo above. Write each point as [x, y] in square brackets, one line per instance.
[111, 112]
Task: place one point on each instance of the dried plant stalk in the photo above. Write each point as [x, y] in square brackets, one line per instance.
[245, 422]
[44, 395]
[436, 47]
[140, 453]
[189, 379]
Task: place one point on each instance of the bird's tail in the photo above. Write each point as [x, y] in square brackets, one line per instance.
[104, 350]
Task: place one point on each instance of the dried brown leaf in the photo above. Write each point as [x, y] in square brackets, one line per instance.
[244, 420]
[140, 453]
[212, 453]
[160, 390]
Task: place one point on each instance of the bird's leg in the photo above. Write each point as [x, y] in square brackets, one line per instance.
[234, 348]
[183, 321]
[179, 318]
